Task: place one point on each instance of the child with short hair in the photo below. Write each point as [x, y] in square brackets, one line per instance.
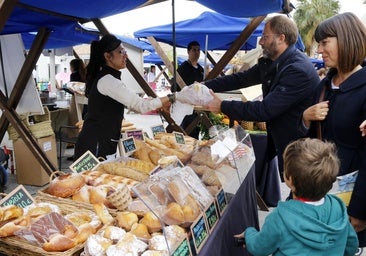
[313, 222]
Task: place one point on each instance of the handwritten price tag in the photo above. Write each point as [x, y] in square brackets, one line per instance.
[137, 134]
[179, 138]
[221, 201]
[211, 215]
[128, 146]
[86, 162]
[157, 129]
[199, 233]
[19, 196]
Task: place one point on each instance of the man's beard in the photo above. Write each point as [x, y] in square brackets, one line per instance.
[270, 51]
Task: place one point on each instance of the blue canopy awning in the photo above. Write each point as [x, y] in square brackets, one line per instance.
[221, 30]
[154, 58]
[31, 15]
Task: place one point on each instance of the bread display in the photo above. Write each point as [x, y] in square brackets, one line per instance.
[66, 185]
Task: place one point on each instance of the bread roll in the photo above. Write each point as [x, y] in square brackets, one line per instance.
[103, 213]
[152, 222]
[66, 185]
[125, 220]
[173, 214]
[10, 212]
[58, 243]
[140, 230]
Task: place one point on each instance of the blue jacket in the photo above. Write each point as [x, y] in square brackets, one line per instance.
[288, 85]
[297, 228]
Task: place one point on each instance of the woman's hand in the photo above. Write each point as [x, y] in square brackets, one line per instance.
[317, 112]
[215, 104]
[166, 104]
[357, 224]
[363, 128]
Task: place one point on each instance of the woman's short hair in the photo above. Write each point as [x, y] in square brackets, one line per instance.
[313, 166]
[351, 35]
[281, 24]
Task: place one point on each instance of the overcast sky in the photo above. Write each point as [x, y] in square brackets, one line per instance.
[158, 14]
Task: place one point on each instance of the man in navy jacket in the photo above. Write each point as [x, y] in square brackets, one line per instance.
[288, 80]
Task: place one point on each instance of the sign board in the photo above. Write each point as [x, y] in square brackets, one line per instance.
[86, 162]
[157, 129]
[221, 201]
[19, 197]
[179, 138]
[128, 146]
[183, 249]
[211, 215]
[199, 233]
[137, 134]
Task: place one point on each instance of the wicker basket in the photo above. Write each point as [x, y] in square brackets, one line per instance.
[261, 126]
[16, 246]
[66, 201]
[121, 198]
[247, 125]
[39, 128]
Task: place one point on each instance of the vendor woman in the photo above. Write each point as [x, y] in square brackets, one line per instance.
[107, 98]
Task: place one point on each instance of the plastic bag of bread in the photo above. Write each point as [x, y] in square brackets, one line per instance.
[51, 232]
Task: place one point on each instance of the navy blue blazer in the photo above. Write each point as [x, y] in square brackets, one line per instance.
[288, 85]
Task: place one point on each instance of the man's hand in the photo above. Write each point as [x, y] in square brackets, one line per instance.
[215, 104]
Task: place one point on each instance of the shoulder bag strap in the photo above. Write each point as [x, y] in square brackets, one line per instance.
[318, 123]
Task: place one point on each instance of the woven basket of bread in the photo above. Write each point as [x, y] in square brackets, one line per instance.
[15, 246]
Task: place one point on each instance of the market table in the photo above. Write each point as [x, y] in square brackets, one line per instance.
[266, 171]
[241, 212]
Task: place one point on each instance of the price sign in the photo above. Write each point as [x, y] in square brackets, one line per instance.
[183, 249]
[86, 162]
[19, 197]
[137, 134]
[179, 137]
[211, 216]
[199, 232]
[128, 146]
[221, 201]
[157, 129]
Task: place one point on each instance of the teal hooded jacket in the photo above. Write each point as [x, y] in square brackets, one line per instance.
[298, 228]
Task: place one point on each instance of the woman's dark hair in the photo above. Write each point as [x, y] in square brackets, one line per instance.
[108, 43]
[351, 36]
[77, 65]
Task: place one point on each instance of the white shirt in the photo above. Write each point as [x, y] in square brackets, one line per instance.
[117, 90]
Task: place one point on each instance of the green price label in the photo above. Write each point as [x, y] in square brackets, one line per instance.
[211, 216]
[179, 138]
[86, 162]
[221, 201]
[183, 249]
[199, 233]
[19, 197]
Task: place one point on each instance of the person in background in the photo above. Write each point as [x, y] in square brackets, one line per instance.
[191, 71]
[151, 77]
[313, 222]
[288, 81]
[107, 98]
[363, 128]
[341, 104]
[62, 78]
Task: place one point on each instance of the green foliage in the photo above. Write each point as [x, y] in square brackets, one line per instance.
[309, 13]
[216, 119]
